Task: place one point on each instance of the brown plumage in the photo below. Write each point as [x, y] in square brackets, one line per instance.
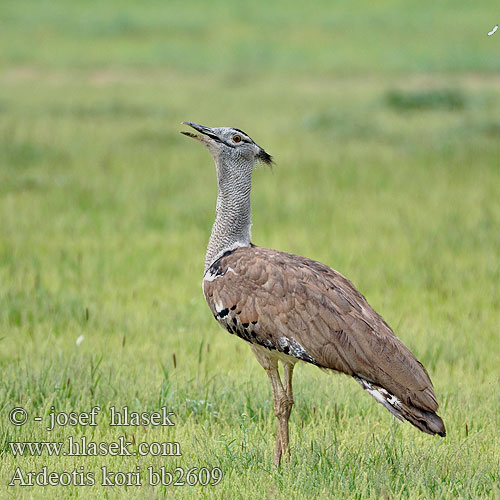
[301, 308]
[290, 308]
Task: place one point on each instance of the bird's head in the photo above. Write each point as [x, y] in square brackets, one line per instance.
[229, 146]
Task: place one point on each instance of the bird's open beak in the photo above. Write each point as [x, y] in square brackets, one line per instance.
[206, 131]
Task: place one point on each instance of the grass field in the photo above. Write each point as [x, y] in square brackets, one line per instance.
[384, 124]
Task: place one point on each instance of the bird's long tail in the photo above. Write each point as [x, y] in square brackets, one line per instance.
[426, 421]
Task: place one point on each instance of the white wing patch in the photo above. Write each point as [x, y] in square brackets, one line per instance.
[212, 276]
[293, 348]
[385, 398]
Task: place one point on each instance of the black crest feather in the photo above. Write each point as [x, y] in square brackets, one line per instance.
[265, 157]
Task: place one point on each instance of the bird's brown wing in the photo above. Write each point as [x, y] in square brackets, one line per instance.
[302, 308]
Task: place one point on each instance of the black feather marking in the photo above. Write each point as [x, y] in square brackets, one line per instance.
[264, 157]
[216, 269]
[241, 132]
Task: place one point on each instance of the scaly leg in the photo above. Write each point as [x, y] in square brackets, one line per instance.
[287, 375]
[282, 402]
[287, 383]
[282, 412]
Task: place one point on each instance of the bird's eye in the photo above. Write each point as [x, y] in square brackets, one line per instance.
[236, 138]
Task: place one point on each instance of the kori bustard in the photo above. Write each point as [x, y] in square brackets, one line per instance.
[290, 308]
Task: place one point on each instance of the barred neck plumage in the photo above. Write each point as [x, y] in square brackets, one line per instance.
[231, 228]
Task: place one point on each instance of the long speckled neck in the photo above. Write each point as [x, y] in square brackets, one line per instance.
[232, 224]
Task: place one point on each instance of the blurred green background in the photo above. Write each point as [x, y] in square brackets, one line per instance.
[384, 121]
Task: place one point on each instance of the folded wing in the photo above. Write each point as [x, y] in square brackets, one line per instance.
[302, 308]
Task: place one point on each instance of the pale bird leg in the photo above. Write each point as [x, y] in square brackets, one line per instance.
[277, 449]
[282, 409]
[287, 375]
[282, 402]
[287, 382]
